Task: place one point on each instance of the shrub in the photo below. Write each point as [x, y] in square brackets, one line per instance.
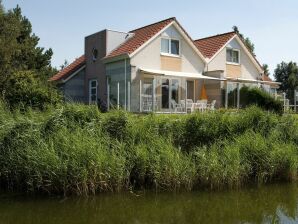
[23, 90]
[256, 96]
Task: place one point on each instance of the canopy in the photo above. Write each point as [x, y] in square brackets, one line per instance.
[180, 74]
[252, 81]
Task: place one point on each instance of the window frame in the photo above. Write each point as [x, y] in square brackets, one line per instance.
[231, 62]
[170, 47]
[90, 91]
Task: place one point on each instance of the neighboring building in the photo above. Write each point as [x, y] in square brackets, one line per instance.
[161, 65]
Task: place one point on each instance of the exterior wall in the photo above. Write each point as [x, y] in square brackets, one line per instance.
[114, 39]
[150, 56]
[218, 63]
[96, 69]
[234, 71]
[246, 69]
[73, 89]
[170, 63]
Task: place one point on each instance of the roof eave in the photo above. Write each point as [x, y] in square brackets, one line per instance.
[115, 58]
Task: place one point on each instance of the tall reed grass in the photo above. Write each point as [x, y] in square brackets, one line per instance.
[75, 149]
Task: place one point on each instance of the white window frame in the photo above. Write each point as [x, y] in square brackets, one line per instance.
[170, 46]
[233, 63]
[90, 88]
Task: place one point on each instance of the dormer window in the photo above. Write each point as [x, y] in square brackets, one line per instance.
[170, 46]
[233, 56]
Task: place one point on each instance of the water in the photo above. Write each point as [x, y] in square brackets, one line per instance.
[268, 204]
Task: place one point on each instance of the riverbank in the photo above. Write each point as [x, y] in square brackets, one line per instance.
[76, 149]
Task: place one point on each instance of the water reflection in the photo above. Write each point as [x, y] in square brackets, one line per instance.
[270, 204]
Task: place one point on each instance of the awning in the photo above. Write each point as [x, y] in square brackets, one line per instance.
[179, 74]
[252, 81]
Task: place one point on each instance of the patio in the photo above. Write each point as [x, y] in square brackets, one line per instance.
[176, 92]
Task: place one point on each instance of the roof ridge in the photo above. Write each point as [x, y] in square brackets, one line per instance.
[171, 18]
[217, 35]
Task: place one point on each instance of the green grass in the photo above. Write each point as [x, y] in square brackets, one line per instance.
[75, 149]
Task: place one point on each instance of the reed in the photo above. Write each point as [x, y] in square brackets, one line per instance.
[75, 149]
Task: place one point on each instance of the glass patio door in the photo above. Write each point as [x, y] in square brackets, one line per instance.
[190, 89]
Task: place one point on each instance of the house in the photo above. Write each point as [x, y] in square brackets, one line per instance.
[159, 67]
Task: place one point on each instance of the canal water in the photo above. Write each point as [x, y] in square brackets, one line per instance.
[276, 203]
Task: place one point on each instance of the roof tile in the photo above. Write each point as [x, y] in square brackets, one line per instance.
[68, 70]
[139, 37]
[210, 45]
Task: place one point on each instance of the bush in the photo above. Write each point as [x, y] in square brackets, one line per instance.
[256, 96]
[24, 90]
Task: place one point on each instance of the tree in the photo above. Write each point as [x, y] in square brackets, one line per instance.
[287, 74]
[19, 46]
[64, 65]
[26, 90]
[19, 52]
[266, 69]
[246, 40]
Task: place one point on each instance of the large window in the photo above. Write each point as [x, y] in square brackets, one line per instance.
[233, 56]
[170, 46]
[93, 91]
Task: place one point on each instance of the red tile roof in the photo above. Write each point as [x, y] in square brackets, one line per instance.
[266, 78]
[140, 36]
[68, 70]
[210, 45]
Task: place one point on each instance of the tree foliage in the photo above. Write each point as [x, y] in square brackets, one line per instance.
[246, 40]
[20, 53]
[266, 69]
[27, 90]
[287, 74]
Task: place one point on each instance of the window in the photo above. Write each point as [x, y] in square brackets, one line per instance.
[94, 54]
[233, 56]
[165, 48]
[170, 46]
[93, 91]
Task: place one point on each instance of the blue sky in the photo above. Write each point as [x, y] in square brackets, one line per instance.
[272, 25]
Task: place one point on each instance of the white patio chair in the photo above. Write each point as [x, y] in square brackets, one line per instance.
[189, 105]
[178, 107]
[211, 106]
[201, 105]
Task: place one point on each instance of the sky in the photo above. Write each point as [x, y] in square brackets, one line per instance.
[272, 25]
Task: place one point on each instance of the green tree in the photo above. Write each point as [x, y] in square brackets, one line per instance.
[266, 69]
[246, 40]
[19, 52]
[287, 74]
[27, 90]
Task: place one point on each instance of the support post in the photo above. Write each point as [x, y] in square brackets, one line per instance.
[185, 96]
[125, 85]
[295, 101]
[238, 95]
[226, 95]
[118, 96]
[108, 94]
[140, 95]
[128, 96]
[284, 95]
[153, 95]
